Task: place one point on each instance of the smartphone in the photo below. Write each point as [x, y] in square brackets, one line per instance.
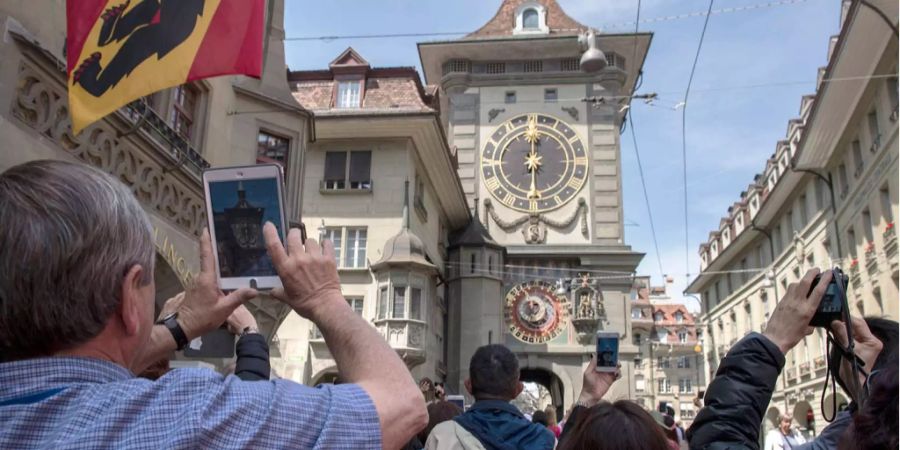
[457, 400]
[831, 307]
[239, 201]
[607, 351]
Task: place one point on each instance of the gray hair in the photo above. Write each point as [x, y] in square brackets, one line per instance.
[69, 233]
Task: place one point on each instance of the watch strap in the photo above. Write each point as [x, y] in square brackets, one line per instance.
[171, 323]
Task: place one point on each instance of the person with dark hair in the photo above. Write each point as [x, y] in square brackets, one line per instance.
[622, 425]
[667, 425]
[874, 427]
[539, 417]
[743, 385]
[491, 422]
[439, 412]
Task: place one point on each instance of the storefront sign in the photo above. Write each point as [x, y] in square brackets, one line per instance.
[167, 250]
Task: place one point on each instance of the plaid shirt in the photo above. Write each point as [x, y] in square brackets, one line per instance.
[68, 403]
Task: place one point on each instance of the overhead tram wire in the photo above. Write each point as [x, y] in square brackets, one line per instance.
[637, 155]
[637, 152]
[689, 15]
[687, 92]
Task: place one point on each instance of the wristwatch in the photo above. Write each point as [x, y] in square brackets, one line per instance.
[248, 330]
[171, 323]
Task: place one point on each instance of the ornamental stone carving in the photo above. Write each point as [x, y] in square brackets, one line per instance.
[535, 230]
[40, 103]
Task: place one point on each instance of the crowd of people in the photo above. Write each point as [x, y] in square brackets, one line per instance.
[77, 324]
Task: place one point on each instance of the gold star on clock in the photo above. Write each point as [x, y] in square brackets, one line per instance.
[532, 134]
[533, 162]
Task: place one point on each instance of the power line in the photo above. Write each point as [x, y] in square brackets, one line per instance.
[637, 155]
[637, 152]
[687, 93]
[668, 18]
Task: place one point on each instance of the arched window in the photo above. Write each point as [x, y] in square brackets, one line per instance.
[530, 19]
[472, 264]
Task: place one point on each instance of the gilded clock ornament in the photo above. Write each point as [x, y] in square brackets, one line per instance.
[534, 313]
[534, 163]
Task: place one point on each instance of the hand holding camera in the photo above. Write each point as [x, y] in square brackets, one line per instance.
[787, 326]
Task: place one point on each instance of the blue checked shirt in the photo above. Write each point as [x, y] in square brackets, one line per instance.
[75, 403]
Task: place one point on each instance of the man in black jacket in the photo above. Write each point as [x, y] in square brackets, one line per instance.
[742, 388]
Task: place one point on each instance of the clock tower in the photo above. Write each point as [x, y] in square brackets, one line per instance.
[540, 165]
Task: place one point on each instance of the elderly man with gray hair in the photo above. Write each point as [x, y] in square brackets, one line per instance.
[76, 323]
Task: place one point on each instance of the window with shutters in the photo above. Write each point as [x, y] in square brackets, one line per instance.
[347, 171]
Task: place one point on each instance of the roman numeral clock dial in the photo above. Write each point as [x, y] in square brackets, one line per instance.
[534, 163]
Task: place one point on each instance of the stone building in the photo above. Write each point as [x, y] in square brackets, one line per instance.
[827, 196]
[544, 265]
[380, 183]
[159, 145]
[668, 370]
[489, 250]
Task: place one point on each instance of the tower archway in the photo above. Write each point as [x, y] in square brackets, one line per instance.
[549, 384]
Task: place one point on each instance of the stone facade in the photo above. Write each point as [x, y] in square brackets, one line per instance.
[390, 227]
[668, 369]
[138, 143]
[828, 196]
[572, 256]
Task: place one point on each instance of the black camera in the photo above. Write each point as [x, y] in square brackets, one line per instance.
[833, 302]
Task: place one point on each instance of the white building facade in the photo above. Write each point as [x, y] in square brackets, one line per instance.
[828, 196]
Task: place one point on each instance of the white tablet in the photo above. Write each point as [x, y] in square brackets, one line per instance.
[239, 201]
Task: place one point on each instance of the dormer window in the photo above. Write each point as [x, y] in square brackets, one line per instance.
[531, 20]
[348, 94]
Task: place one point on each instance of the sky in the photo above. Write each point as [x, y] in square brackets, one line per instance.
[731, 129]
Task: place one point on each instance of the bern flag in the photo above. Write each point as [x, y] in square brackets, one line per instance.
[121, 50]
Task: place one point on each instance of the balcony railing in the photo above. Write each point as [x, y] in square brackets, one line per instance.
[790, 374]
[819, 362]
[890, 244]
[854, 273]
[145, 118]
[871, 258]
[405, 336]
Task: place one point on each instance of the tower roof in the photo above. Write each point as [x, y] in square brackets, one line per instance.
[504, 21]
[404, 249]
[474, 235]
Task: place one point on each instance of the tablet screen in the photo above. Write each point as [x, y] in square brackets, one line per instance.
[240, 209]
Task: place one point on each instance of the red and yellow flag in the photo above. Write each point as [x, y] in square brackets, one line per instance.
[121, 50]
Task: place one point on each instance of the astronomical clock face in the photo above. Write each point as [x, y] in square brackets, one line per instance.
[534, 313]
[534, 163]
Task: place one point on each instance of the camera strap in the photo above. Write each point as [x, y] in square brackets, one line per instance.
[847, 353]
